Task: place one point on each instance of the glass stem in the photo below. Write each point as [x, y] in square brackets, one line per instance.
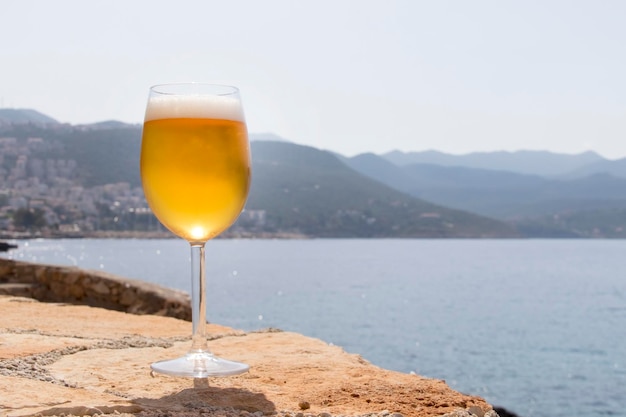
[198, 298]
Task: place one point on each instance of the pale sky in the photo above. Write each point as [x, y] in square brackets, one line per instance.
[347, 76]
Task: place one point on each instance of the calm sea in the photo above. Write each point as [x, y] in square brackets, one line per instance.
[535, 326]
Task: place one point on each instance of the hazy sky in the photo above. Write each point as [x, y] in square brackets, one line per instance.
[349, 76]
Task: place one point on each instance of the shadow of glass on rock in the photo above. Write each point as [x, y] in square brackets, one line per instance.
[203, 397]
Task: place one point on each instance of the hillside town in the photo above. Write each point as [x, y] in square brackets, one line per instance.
[44, 195]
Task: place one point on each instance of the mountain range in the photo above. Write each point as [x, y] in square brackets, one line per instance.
[501, 194]
[544, 205]
[416, 194]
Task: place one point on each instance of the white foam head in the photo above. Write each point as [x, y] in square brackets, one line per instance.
[172, 106]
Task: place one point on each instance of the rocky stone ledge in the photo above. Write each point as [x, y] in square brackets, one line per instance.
[62, 284]
[69, 358]
[64, 360]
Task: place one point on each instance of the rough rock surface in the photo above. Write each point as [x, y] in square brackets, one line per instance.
[61, 359]
[82, 352]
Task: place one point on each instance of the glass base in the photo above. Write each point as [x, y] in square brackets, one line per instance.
[199, 365]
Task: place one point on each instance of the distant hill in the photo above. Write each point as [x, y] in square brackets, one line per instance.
[500, 194]
[616, 168]
[24, 116]
[108, 124]
[104, 156]
[598, 223]
[33, 117]
[310, 191]
[525, 162]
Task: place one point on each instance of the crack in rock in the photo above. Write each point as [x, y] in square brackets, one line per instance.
[34, 366]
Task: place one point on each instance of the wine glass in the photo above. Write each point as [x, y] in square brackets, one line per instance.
[195, 170]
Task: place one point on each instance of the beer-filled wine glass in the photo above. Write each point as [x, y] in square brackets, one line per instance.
[195, 170]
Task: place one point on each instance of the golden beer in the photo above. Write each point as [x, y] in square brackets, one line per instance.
[195, 173]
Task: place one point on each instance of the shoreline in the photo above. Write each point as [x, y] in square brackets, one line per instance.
[7, 236]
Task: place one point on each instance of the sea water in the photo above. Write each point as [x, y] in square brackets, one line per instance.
[535, 326]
